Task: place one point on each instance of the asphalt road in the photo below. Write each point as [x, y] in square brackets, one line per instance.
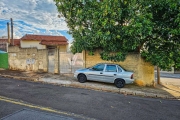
[85, 103]
[10, 111]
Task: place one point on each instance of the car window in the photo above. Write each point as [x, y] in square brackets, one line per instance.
[111, 68]
[119, 69]
[99, 67]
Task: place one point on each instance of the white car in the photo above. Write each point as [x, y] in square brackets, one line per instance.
[103, 72]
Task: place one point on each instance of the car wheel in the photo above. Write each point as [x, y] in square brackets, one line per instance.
[119, 83]
[82, 78]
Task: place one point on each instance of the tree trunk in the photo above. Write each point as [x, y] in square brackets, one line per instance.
[158, 75]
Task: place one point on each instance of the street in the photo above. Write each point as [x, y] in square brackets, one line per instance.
[81, 103]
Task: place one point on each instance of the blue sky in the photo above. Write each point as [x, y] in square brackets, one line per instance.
[32, 17]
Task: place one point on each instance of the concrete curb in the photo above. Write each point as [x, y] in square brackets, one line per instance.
[104, 88]
[20, 78]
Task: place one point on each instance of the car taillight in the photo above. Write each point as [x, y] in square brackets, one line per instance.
[132, 76]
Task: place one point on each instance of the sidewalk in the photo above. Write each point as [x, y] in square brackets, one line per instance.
[169, 78]
[165, 91]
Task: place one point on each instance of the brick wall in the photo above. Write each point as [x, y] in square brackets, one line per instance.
[143, 71]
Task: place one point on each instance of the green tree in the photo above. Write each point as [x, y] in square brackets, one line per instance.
[162, 48]
[118, 27]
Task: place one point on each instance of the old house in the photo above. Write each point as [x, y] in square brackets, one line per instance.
[41, 52]
[44, 42]
[53, 45]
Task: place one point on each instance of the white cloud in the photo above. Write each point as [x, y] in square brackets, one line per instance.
[31, 16]
[3, 32]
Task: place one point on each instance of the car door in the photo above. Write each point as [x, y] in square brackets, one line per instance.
[110, 73]
[95, 73]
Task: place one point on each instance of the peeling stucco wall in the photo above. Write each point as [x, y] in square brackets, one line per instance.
[34, 59]
[27, 59]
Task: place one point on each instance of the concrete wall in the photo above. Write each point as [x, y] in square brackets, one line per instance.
[27, 59]
[34, 59]
[32, 44]
[143, 71]
[63, 48]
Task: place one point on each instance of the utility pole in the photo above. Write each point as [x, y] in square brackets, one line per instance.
[12, 40]
[8, 31]
[158, 75]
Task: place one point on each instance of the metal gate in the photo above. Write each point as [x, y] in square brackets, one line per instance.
[51, 60]
[69, 62]
[4, 60]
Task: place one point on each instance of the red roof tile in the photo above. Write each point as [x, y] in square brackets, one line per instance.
[44, 37]
[16, 41]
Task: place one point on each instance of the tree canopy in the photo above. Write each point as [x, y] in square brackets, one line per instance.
[117, 27]
[163, 48]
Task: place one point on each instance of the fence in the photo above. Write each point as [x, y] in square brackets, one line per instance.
[69, 62]
[4, 60]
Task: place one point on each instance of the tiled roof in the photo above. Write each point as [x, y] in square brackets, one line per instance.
[44, 37]
[16, 41]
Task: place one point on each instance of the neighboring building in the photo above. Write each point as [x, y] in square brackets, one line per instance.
[3, 43]
[44, 42]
